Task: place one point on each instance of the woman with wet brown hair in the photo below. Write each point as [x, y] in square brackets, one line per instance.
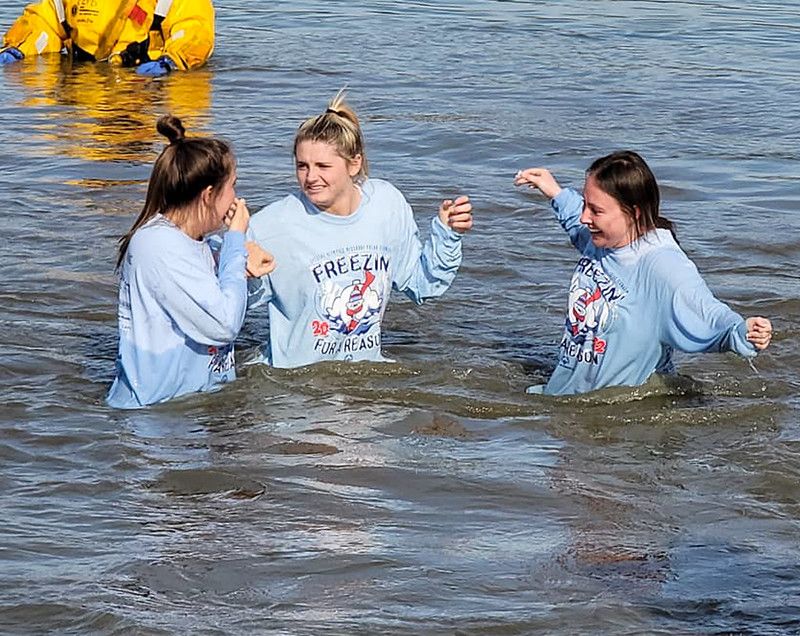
[634, 296]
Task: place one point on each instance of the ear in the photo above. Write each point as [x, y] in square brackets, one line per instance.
[637, 212]
[206, 196]
[354, 165]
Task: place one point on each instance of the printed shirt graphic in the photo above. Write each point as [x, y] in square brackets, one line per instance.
[593, 297]
[352, 291]
[221, 360]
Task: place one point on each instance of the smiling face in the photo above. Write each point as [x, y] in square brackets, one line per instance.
[326, 177]
[609, 224]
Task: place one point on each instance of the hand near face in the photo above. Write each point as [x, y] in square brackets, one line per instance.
[759, 332]
[259, 261]
[456, 214]
[539, 178]
[238, 216]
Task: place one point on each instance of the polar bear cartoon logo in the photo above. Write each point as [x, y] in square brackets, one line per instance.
[349, 309]
[588, 312]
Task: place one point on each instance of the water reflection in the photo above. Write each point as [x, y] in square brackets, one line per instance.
[98, 112]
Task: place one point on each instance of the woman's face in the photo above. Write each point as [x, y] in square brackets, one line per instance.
[609, 224]
[326, 177]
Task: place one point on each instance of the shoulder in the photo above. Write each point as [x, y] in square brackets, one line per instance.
[159, 249]
[381, 190]
[276, 212]
[158, 238]
[385, 204]
[664, 261]
[287, 204]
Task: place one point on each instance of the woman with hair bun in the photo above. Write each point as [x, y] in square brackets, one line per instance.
[179, 311]
[635, 296]
[342, 243]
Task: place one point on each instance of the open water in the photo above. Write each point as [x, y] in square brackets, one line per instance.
[430, 496]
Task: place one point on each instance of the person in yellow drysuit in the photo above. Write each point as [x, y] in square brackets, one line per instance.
[155, 36]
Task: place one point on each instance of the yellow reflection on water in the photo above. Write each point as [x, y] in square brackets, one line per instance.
[98, 112]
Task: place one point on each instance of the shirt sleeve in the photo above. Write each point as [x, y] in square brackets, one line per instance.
[189, 33]
[567, 205]
[36, 31]
[425, 270]
[208, 309]
[699, 322]
[259, 290]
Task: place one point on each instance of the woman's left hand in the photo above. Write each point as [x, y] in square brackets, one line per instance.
[457, 214]
[759, 332]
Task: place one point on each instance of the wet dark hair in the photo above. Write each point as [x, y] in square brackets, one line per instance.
[339, 127]
[181, 172]
[626, 177]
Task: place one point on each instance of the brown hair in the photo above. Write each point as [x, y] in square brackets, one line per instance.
[181, 172]
[339, 127]
[626, 177]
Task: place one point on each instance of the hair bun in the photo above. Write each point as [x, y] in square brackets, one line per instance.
[172, 128]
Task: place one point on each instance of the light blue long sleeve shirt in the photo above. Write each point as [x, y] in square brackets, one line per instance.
[629, 307]
[177, 316]
[329, 290]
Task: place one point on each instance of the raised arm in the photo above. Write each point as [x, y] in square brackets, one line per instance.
[567, 204]
[541, 179]
[208, 309]
[260, 263]
[426, 271]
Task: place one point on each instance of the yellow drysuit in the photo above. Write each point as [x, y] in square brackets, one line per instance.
[125, 32]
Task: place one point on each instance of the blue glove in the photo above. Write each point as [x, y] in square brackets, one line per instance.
[157, 68]
[11, 55]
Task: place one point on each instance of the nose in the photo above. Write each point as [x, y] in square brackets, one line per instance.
[311, 174]
[585, 215]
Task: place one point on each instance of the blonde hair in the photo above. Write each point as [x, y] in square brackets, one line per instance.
[338, 126]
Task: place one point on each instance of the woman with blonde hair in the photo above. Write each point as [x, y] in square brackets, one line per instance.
[342, 242]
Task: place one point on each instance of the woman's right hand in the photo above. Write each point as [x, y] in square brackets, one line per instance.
[238, 217]
[539, 178]
[259, 261]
